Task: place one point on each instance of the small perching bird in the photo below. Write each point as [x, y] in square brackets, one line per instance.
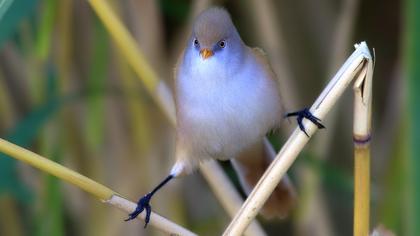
[227, 99]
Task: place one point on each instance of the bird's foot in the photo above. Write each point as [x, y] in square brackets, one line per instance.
[305, 113]
[142, 204]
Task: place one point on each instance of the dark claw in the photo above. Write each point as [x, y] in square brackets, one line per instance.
[315, 120]
[148, 214]
[142, 204]
[299, 121]
[305, 113]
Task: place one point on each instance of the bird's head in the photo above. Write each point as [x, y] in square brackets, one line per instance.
[214, 35]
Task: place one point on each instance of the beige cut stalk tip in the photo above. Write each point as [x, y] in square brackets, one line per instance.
[361, 136]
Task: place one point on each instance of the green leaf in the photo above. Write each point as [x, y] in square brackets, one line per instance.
[23, 135]
[11, 14]
[45, 28]
[4, 6]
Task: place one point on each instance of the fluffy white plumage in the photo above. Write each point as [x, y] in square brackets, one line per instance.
[225, 104]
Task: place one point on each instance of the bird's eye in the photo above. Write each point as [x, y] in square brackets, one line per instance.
[196, 43]
[222, 44]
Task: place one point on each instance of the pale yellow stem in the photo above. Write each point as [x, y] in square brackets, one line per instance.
[126, 44]
[361, 136]
[134, 57]
[361, 191]
[100, 191]
[44, 164]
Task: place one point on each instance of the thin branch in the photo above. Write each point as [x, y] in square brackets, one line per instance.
[100, 191]
[353, 67]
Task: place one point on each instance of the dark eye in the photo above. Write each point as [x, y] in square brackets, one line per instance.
[222, 44]
[196, 43]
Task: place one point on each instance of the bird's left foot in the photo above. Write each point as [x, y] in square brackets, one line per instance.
[305, 113]
[142, 204]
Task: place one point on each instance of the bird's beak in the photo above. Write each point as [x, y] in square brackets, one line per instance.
[206, 53]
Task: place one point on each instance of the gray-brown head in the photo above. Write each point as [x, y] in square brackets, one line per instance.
[214, 32]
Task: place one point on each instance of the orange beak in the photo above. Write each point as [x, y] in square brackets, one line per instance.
[206, 53]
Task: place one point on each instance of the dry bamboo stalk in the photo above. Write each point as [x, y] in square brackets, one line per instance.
[361, 190]
[100, 191]
[361, 136]
[354, 66]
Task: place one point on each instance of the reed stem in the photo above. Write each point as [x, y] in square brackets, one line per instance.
[361, 190]
[98, 190]
[361, 136]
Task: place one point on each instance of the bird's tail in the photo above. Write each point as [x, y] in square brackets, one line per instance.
[250, 165]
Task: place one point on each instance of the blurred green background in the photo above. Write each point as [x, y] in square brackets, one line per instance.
[67, 93]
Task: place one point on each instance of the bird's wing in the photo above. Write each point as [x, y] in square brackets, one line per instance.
[262, 59]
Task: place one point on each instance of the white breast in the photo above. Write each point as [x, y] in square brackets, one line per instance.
[224, 110]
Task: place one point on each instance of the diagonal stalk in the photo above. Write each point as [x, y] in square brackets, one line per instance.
[358, 65]
[100, 191]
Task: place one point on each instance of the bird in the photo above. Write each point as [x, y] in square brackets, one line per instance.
[227, 99]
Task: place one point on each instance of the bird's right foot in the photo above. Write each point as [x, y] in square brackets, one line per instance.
[305, 113]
